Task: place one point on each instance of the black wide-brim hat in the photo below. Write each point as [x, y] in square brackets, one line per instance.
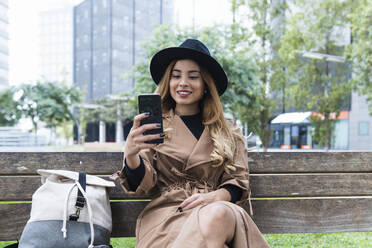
[190, 49]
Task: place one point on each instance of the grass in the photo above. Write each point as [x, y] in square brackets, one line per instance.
[308, 240]
[320, 240]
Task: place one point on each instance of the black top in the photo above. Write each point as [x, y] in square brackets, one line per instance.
[194, 123]
[196, 126]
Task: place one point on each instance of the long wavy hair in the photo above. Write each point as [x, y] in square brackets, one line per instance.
[223, 134]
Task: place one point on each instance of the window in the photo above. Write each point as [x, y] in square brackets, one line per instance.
[363, 128]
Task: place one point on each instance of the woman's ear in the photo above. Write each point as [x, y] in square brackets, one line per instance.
[205, 88]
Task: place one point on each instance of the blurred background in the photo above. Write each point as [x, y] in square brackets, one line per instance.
[299, 71]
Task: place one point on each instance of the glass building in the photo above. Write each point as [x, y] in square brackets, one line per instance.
[4, 49]
[107, 34]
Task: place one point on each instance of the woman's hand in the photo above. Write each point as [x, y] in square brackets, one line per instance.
[136, 140]
[205, 198]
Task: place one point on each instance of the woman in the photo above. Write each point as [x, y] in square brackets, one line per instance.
[200, 170]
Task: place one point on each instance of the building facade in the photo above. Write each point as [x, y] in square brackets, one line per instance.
[4, 48]
[360, 124]
[107, 36]
[55, 45]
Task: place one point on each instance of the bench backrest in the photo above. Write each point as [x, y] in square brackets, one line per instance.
[292, 191]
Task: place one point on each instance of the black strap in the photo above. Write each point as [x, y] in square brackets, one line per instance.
[80, 200]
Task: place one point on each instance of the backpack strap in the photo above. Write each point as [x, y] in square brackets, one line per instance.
[80, 200]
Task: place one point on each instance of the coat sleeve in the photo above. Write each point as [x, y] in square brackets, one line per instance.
[239, 177]
[149, 179]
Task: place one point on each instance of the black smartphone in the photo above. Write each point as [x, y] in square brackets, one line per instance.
[151, 103]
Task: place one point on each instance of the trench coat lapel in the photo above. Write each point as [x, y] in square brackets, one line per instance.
[201, 153]
[184, 147]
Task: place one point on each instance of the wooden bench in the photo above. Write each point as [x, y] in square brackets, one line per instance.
[293, 192]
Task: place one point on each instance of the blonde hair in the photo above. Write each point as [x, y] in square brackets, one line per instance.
[223, 136]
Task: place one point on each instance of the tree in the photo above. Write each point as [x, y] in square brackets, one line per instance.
[309, 47]
[9, 111]
[269, 77]
[30, 109]
[48, 102]
[55, 104]
[359, 52]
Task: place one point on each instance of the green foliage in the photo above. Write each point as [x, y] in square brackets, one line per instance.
[55, 103]
[48, 102]
[9, 111]
[359, 52]
[317, 84]
[268, 74]
[28, 102]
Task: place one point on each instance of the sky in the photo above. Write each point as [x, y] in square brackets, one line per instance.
[23, 29]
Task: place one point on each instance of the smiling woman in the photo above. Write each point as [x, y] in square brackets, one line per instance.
[199, 176]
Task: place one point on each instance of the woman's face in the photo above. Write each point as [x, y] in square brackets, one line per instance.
[186, 86]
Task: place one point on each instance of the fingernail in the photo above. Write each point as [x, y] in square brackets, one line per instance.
[162, 135]
[147, 113]
[158, 124]
[179, 209]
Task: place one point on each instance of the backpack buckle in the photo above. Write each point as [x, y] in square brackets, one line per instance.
[75, 216]
[80, 202]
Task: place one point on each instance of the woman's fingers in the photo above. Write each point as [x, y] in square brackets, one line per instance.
[137, 120]
[198, 199]
[194, 204]
[141, 129]
[189, 200]
[148, 137]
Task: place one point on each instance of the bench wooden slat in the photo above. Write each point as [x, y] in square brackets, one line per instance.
[294, 185]
[13, 219]
[271, 216]
[105, 163]
[309, 162]
[353, 184]
[313, 215]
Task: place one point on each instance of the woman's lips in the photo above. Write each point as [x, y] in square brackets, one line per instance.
[183, 93]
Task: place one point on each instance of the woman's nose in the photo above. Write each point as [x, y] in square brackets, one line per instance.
[183, 82]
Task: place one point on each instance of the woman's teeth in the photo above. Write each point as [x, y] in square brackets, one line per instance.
[184, 92]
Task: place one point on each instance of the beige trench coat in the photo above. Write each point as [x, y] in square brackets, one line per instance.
[174, 171]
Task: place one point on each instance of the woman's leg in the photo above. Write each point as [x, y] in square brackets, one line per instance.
[217, 224]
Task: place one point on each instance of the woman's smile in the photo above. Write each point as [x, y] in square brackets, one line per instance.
[184, 93]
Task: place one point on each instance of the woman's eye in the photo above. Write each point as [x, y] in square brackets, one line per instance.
[176, 76]
[194, 77]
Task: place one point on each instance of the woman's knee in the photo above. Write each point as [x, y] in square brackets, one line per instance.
[214, 216]
[218, 212]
